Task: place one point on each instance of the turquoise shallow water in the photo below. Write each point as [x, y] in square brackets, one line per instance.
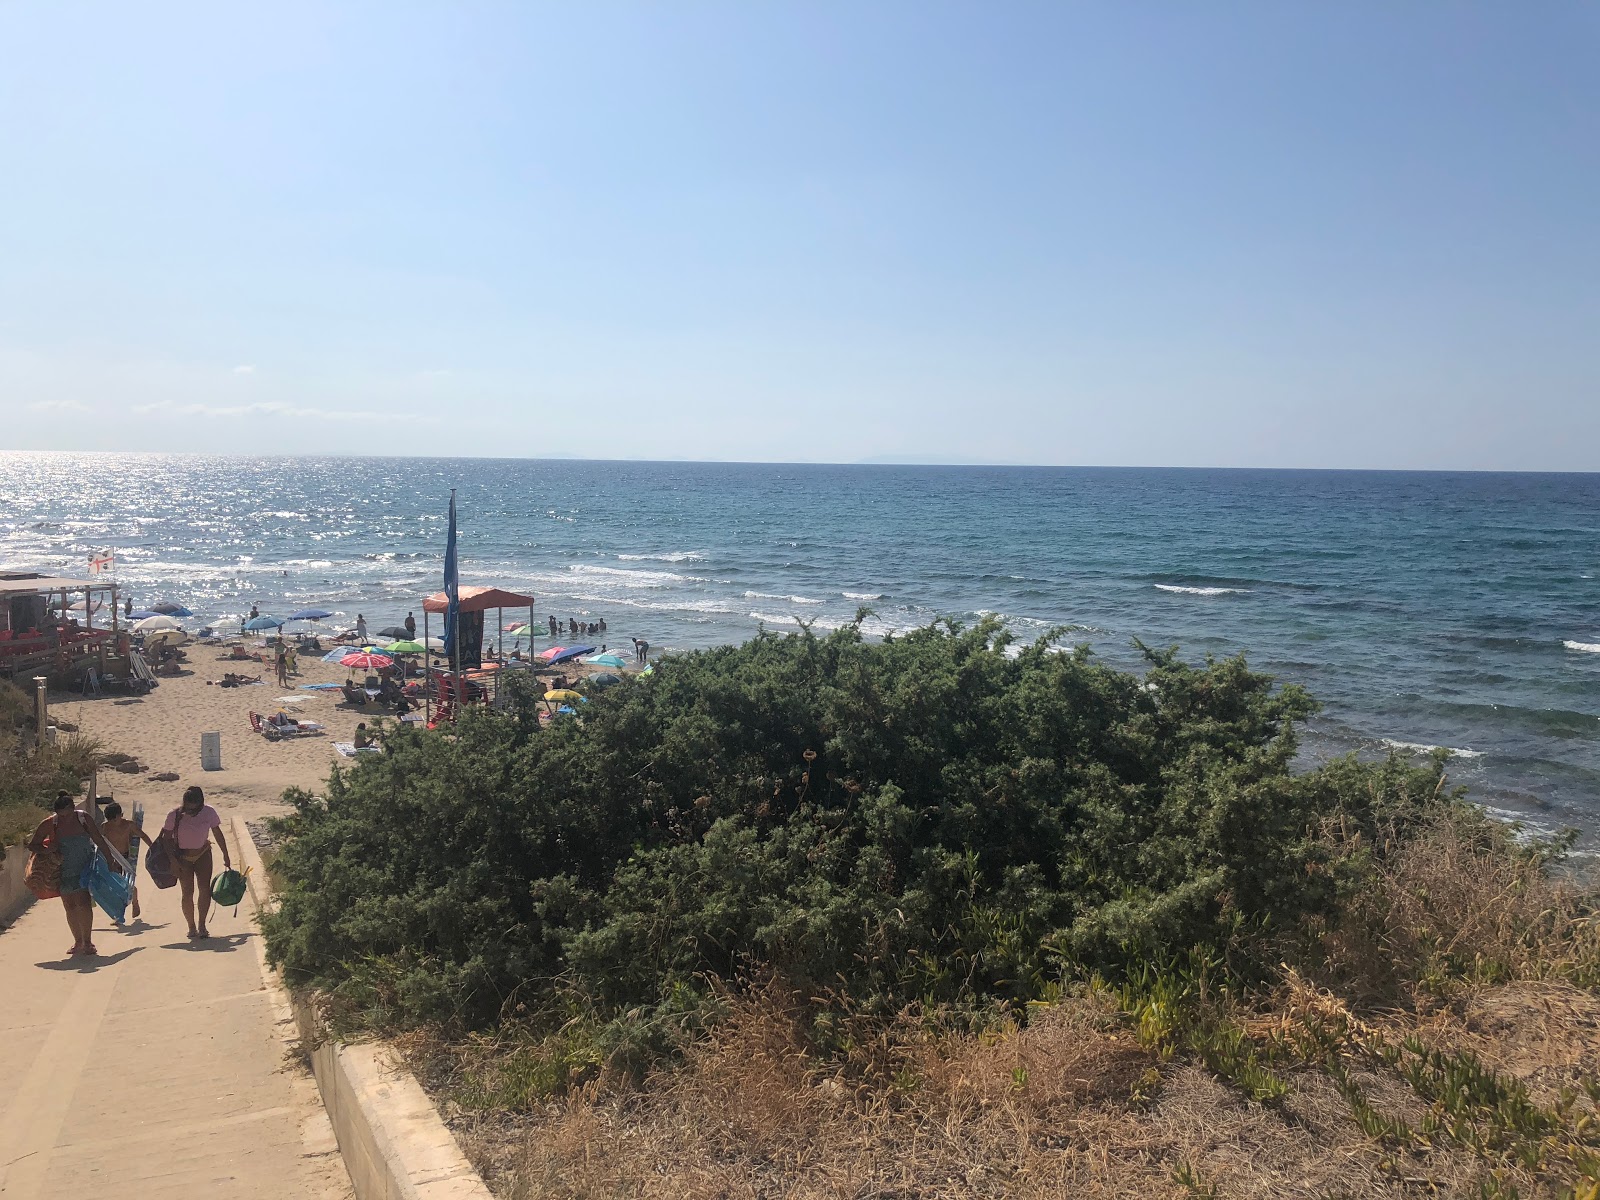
[1420, 608]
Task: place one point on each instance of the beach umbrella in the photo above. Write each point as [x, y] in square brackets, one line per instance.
[153, 622]
[171, 637]
[143, 614]
[605, 679]
[367, 659]
[404, 647]
[563, 694]
[257, 624]
[334, 655]
[309, 614]
[394, 631]
[549, 655]
[170, 609]
[606, 660]
[567, 654]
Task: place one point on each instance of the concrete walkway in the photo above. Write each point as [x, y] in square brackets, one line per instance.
[156, 1069]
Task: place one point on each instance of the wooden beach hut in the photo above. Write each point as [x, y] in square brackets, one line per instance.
[47, 627]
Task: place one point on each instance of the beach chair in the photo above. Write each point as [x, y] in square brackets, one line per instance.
[142, 679]
[91, 683]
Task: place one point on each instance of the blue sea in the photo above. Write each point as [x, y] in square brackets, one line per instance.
[1421, 609]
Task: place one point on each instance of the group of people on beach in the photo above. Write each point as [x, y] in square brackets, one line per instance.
[75, 836]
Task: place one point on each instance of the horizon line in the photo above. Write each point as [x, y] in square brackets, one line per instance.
[886, 461]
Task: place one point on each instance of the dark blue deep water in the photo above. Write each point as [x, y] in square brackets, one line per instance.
[1421, 609]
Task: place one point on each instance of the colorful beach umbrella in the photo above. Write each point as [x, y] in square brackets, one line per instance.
[257, 624]
[366, 659]
[566, 654]
[549, 655]
[606, 660]
[563, 694]
[404, 647]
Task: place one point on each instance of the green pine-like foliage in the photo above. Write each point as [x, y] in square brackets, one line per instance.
[933, 818]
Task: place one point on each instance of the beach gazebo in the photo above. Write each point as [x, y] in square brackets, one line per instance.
[472, 605]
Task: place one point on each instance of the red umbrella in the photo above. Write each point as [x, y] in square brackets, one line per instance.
[361, 658]
[552, 652]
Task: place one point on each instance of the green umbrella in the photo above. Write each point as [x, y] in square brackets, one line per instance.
[404, 647]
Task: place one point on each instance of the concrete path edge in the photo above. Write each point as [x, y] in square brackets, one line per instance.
[394, 1144]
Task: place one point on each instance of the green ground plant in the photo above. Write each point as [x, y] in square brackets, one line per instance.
[936, 819]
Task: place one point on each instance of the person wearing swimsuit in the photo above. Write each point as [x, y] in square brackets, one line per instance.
[75, 836]
[187, 826]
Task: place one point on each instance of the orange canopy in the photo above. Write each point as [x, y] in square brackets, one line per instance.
[478, 599]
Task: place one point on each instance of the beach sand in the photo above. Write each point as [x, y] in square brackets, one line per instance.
[162, 730]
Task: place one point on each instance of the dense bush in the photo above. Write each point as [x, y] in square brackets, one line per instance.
[933, 817]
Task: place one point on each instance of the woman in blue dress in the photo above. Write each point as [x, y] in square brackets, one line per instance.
[75, 836]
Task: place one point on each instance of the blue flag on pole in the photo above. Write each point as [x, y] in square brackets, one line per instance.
[452, 587]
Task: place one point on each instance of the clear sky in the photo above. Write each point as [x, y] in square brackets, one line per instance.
[1256, 234]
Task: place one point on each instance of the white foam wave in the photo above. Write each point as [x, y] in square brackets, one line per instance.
[790, 599]
[625, 578]
[862, 595]
[1423, 748]
[1586, 647]
[1198, 591]
[674, 556]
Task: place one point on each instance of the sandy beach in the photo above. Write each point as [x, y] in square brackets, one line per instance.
[162, 729]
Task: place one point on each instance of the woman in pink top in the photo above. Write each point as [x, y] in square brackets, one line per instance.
[188, 826]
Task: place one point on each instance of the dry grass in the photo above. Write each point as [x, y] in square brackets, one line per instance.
[1442, 1041]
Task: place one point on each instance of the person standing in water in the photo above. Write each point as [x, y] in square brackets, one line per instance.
[75, 837]
[361, 627]
[120, 832]
[641, 650]
[188, 825]
[411, 627]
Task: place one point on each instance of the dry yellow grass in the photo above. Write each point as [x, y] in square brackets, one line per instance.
[1465, 947]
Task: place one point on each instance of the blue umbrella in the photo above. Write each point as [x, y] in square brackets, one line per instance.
[256, 624]
[168, 608]
[142, 613]
[567, 655]
[309, 614]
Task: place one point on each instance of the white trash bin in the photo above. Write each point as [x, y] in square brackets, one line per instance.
[211, 751]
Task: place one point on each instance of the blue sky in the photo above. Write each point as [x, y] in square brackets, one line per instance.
[1269, 234]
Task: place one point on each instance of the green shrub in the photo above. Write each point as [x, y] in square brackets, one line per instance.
[929, 818]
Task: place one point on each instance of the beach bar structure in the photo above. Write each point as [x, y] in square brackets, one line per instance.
[466, 678]
[47, 626]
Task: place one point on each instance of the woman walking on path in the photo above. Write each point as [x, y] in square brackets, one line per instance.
[188, 825]
[74, 836]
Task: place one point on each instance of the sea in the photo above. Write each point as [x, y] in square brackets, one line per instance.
[1421, 609]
